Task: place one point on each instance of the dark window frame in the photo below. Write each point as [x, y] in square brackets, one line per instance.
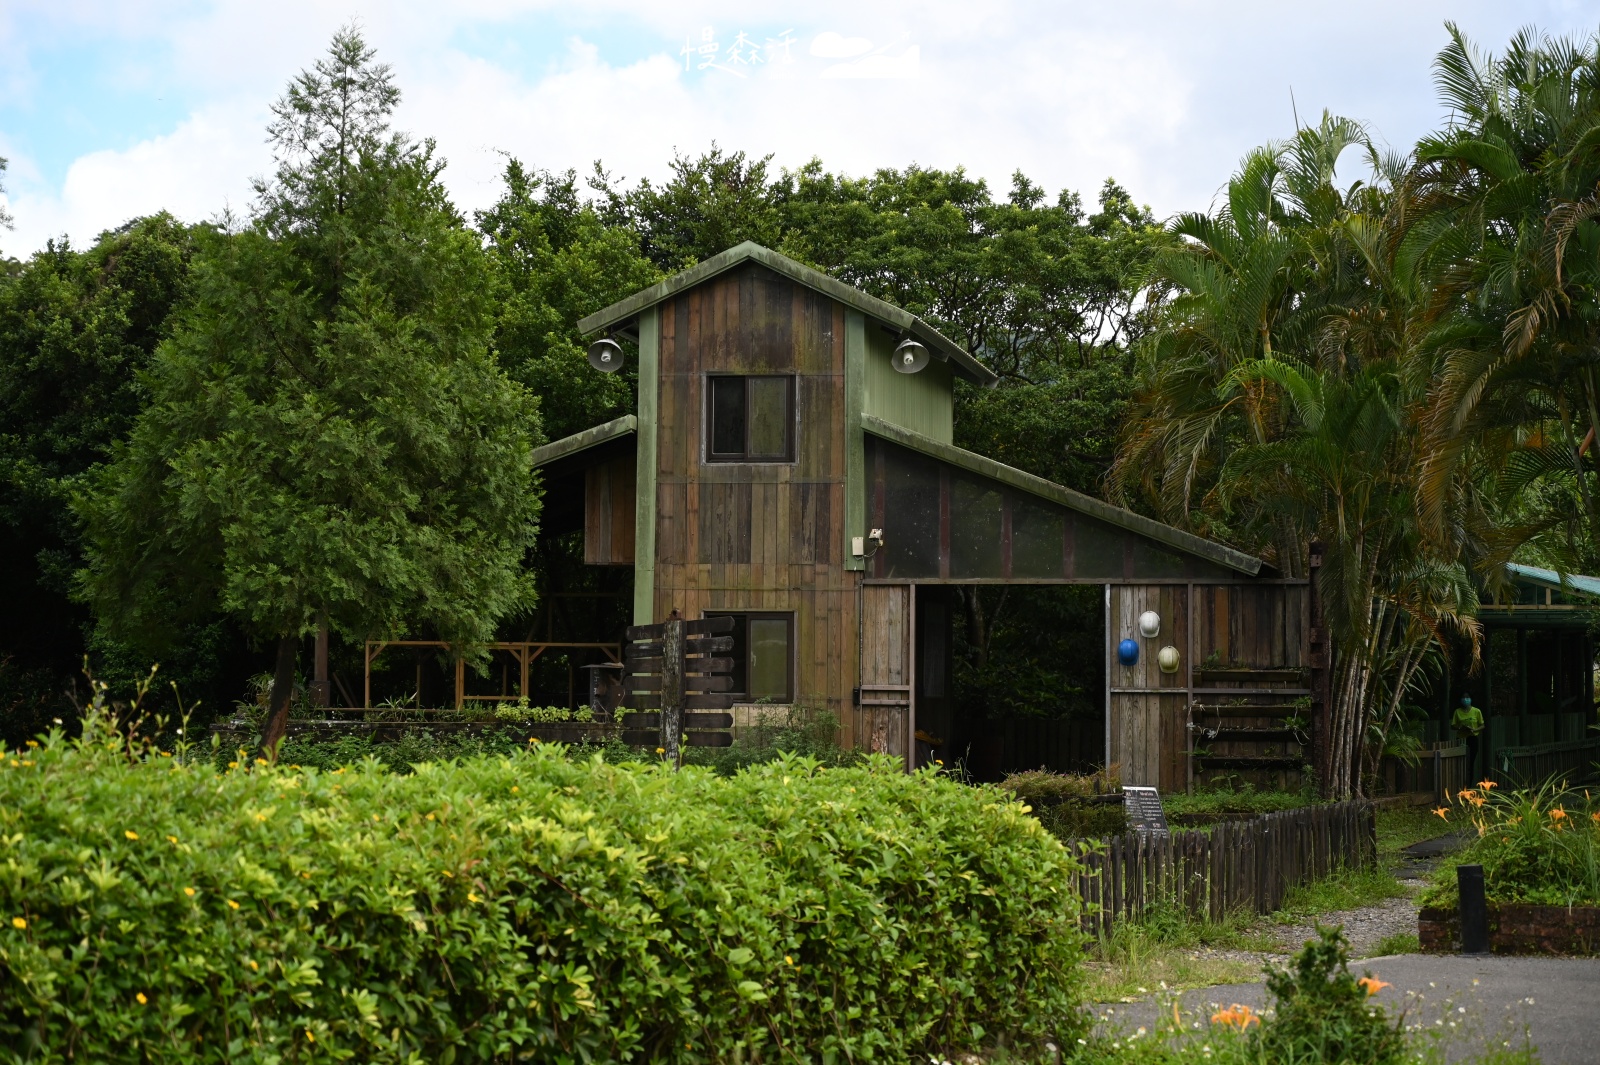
[741, 648]
[744, 456]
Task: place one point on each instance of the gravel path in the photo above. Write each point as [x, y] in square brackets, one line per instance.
[1365, 928]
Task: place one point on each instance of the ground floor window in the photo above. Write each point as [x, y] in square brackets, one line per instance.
[763, 655]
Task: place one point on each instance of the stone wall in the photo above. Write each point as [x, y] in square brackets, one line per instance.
[1517, 928]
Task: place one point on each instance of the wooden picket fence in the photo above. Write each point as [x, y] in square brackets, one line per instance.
[1240, 865]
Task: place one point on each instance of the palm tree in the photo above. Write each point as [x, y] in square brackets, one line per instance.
[1244, 283]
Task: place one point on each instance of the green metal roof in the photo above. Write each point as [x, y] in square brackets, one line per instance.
[941, 346]
[1549, 578]
[1188, 543]
[615, 429]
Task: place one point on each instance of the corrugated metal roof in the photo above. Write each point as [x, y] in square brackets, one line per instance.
[1549, 578]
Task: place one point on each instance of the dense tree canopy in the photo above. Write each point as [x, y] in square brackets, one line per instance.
[327, 434]
[327, 409]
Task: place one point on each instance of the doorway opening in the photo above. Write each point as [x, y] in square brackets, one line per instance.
[1010, 677]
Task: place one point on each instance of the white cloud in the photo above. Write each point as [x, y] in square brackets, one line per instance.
[1166, 97]
[196, 171]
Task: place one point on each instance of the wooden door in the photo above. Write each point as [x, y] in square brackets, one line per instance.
[1148, 730]
[885, 714]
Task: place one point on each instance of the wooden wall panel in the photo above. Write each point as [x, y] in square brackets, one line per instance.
[1252, 626]
[1149, 709]
[608, 512]
[884, 720]
[760, 536]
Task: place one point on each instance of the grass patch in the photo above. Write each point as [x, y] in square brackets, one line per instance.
[1244, 800]
[1399, 943]
[1156, 952]
[1401, 826]
[1346, 889]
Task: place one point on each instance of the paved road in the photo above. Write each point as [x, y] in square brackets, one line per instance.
[1486, 998]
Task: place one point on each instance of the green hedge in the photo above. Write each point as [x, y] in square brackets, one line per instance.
[519, 908]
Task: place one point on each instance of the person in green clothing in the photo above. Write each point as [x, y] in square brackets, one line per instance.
[1468, 723]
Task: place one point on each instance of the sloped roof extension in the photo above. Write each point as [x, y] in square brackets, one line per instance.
[887, 313]
[567, 446]
[1549, 578]
[1177, 539]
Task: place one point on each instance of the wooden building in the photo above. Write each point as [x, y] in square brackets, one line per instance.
[784, 469]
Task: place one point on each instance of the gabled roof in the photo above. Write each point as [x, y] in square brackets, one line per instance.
[567, 446]
[1188, 543]
[896, 317]
[1549, 578]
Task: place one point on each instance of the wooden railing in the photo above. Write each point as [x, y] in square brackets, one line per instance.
[1573, 760]
[1242, 865]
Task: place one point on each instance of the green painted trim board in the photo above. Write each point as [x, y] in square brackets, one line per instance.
[855, 462]
[644, 543]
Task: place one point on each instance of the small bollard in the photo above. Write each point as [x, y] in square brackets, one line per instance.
[1474, 910]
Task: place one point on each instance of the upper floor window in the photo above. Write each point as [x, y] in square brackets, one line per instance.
[750, 419]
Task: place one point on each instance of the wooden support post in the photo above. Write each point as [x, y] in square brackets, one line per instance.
[461, 683]
[319, 664]
[672, 690]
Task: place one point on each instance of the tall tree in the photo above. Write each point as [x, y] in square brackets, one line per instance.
[328, 436]
[76, 328]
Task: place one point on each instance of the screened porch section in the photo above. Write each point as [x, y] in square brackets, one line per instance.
[944, 523]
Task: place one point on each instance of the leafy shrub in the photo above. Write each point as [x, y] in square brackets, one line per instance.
[1064, 802]
[1240, 800]
[810, 732]
[520, 711]
[1322, 1013]
[1536, 845]
[528, 906]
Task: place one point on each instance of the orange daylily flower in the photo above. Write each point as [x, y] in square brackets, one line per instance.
[1557, 814]
[1372, 984]
[1487, 785]
[1236, 1016]
[1443, 812]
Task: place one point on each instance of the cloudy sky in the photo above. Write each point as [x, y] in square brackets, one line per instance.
[109, 110]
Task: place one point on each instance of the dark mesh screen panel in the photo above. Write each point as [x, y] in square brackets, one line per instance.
[1097, 549]
[1149, 560]
[1036, 537]
[910, 514]
[975, 514]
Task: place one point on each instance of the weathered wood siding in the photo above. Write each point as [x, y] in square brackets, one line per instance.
[759, 536]
[1241, 646]
[608, 512]
[1148, 730]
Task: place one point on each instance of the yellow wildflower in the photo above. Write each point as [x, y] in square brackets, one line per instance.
[33, 743]
[661, 750]
[141, 998]
[19, 922]
[172, 839]
[131, 835]
[254, 967]
[1372, 985]
[233, 765]
[473, 897]
[189, 891]
[515, 789]
[309, 1037]
[232, 905]
[788, 959]
[448, 873]
[430, 817]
